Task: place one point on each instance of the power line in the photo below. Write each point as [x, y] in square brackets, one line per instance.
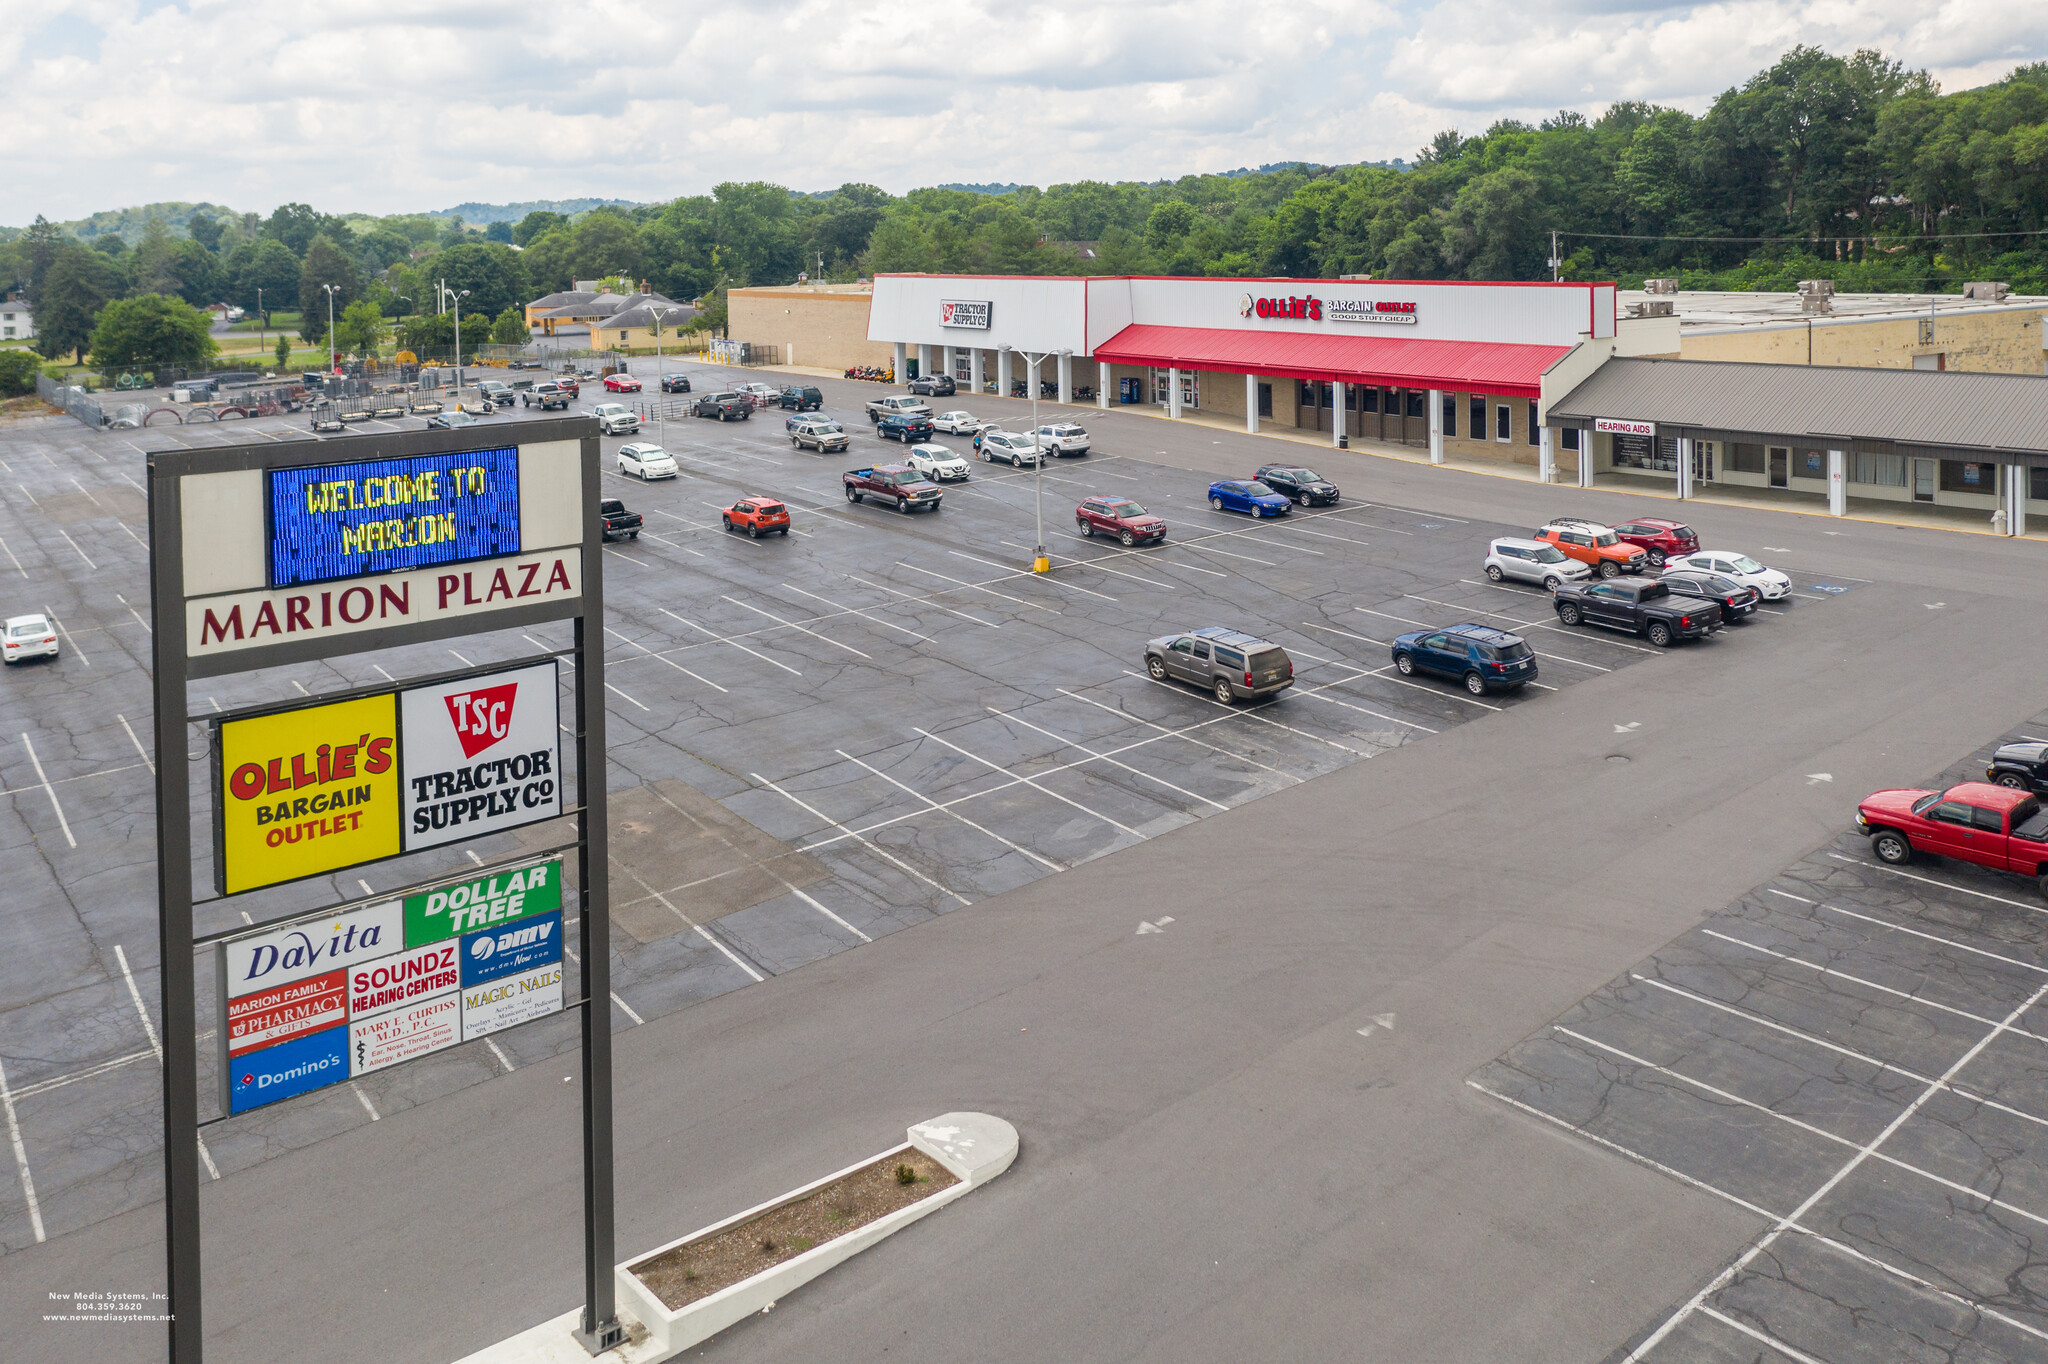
[1812, 240]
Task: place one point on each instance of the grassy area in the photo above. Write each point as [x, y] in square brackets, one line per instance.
[279, 321]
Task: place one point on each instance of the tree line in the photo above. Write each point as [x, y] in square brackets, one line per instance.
[1852, 168]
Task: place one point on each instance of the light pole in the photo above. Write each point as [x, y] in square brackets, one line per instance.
[330, 327]
[455, 297]
[660, 318]
[1041, 562]
[259, 326]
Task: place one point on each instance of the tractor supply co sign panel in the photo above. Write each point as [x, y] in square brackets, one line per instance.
[972, 314]
[319, 788]
[330, 998]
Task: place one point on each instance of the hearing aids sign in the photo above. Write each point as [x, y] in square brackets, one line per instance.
[312, 790]
[331, 997]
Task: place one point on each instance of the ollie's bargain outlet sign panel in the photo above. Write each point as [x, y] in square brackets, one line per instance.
[324, 999]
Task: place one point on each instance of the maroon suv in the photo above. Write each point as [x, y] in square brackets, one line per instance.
[1119, 517]
[1659, 538]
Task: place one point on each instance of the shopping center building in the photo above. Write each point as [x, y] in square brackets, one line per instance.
[1571, 382]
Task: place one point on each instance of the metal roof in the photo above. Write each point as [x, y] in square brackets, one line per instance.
[1990, 412]
[1508, 368]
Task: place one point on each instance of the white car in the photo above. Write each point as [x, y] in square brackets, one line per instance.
[1533, 561]
[1063, 438]
[958, 423]
[616, 419]
[763, 395]
[646, 461]
[937, 463]
[1769, 583]
[1013, 446]
[27, 637]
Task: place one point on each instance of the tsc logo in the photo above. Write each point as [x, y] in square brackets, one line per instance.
[481, 717]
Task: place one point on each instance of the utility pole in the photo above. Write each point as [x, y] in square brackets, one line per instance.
[330, 327]
[1556, 265]
[660, 319]
[259, 325]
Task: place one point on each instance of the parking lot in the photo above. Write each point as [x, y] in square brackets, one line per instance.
[1855, 1054]
[815, 740]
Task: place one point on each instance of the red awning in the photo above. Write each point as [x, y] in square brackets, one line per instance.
[1396, 362]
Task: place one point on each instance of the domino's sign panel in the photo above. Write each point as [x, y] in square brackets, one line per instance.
[288, 1069]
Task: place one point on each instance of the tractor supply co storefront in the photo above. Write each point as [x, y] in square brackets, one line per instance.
[1960, 446]
[1454, 368]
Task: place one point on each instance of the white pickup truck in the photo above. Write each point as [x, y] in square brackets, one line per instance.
[898, 403]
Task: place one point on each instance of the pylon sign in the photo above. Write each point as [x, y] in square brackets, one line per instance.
[275, 554]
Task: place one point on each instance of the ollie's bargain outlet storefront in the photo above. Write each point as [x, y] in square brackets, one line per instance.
[1454, 367]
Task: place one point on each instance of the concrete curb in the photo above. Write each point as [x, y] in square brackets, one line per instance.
[975, 1147]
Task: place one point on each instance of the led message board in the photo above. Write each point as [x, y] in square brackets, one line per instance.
[336, 521]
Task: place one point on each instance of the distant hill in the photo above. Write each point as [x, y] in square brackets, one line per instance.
[985, 189]
[127, 223]
[512, 213]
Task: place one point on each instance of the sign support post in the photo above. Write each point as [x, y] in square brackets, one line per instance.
[238, 588]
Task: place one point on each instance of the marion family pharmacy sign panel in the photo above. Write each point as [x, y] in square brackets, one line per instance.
[327, 998]
[318, 788]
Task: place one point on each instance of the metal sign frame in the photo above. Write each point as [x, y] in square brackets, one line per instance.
[173, 670]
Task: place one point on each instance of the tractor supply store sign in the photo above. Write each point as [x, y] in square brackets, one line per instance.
[318, 788]
[969, 313]
[345, 994]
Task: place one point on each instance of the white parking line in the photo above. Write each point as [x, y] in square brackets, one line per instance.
[1933, 937]
[1821, 1042]
[926, 601]
[1382, 673]
[1945, 885]
[1772, 1342]
[671, 662]
[1045, 862]
[28, 1185]
[364, 1099]
[11, 559]
[67, 636]
[1247, 714]
[156, 1047]
[81, 553]
[735, 958]
[1137, 772]
[50, 790]
[627, 1009]
[1316, 694]
[1519, 625]
[616, 692]
[1867, 984]
[1035, 784]
[978, 587]
[723, 640]
[1088, 563]
[867, 843]
[1210, 549]
[1181, 735]
[794, 626]
[859, 611]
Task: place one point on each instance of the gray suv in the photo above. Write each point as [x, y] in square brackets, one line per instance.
[1235, 666]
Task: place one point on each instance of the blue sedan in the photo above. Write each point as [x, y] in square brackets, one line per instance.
[1251, 497]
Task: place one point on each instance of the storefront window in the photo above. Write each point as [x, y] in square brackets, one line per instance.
[1641, 452]
[1810, 464]
[1371, 398]
[1535, 434]
[1958, 476]
[1418, 403]
[2037, 482]
[1745, 459]
[1883, 471]
[1450, 415]
[1571, 437]
[1478, 418]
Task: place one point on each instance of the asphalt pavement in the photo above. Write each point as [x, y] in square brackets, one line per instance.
[1249, 1135]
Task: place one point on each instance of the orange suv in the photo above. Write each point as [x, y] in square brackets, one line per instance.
[1594, 545]
[757, 516]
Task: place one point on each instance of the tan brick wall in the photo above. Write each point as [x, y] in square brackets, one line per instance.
[1985, 342]
[826, 330]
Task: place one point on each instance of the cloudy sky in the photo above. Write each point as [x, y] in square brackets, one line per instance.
[387, 106]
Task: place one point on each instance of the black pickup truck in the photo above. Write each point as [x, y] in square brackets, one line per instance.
[1647, 608]
[619, 524]
[897, 483]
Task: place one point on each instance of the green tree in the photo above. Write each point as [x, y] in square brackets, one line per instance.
[548, 261]
[510, 328]
[498, 232]
[425, 332]
[266, 264]
[206, 231]
[360, 329]
[76, 286]
[17, 372]
[296, 225]
[607, 242]
[151, 330]
[38, 250]
[536, 225]
[284, 351]
[326, 263]
[492, 274]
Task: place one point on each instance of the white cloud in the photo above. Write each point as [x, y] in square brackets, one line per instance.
[389, 106]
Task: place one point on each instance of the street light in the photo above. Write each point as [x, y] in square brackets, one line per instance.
[455, 297]
[330, 326]
[259, 327]
[660, 317]
[1041, 562]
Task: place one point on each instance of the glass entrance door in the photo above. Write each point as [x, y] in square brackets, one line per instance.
[1923, 480]
[1781, 467]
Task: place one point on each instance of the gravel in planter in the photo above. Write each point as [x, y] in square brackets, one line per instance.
[681, 1276]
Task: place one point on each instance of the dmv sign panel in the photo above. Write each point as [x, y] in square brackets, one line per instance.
[334, 521]
[306, 791]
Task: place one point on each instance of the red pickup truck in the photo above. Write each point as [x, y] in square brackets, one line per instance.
[1973, 821]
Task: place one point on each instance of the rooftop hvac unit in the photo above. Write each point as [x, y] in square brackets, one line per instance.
[1989, 291]
[1816, 295]
[1655, 307]
[1660, 286]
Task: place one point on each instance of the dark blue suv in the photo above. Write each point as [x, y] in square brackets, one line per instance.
[908, 427]
[1483, 658]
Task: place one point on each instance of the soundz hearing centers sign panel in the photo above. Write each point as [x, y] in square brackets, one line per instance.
[326, 999]
[323, 787]
[388, 515]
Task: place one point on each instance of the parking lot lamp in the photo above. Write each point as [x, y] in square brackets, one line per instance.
[259, 326]
[660, 319]
[1041, 562]
[455, 297]
[330, 326]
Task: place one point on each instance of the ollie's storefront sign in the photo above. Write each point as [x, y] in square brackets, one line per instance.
[1309, 308]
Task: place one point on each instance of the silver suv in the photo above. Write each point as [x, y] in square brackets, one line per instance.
[615, 419]
[1063, 438]
[1533, 561]
[1235, 666]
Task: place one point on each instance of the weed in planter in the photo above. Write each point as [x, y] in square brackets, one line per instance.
[906, 1174]
[769, 1246]
[802, 1244]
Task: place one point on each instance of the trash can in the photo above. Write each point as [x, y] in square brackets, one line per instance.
[1129, 390]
